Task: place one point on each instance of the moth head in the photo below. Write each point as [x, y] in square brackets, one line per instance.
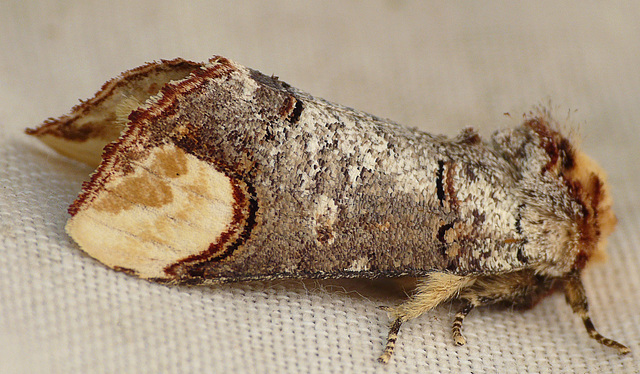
[587, 187]
[588, 184]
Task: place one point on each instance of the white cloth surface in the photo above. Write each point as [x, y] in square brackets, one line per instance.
[435, 66]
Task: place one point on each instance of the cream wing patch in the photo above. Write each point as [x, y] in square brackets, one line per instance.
[88, 151]
[172, 206]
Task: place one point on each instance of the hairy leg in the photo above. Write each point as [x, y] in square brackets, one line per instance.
[430, 292]
[458, 338]
[577, 299]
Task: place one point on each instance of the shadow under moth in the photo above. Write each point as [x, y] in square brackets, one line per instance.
[213, 172]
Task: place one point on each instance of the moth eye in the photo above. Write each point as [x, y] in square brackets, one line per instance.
[567, 155]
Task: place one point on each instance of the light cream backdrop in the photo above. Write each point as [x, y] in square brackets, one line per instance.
[425, 64]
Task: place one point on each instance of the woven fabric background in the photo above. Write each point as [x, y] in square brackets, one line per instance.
[431, 65]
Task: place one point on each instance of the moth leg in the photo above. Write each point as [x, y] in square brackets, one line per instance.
[577, 298]
[391, 341]
[430, 292]
[458, 338]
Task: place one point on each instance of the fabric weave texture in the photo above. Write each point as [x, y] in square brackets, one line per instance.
[435, 66]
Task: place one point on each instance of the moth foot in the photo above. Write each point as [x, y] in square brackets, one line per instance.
[458, 338]
[391, 341]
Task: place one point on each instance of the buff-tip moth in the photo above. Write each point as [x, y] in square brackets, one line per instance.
[213, 172]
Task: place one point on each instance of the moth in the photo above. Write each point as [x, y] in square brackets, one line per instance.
[213, 172]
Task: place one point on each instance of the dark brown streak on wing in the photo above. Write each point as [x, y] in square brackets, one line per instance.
[195, 266]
